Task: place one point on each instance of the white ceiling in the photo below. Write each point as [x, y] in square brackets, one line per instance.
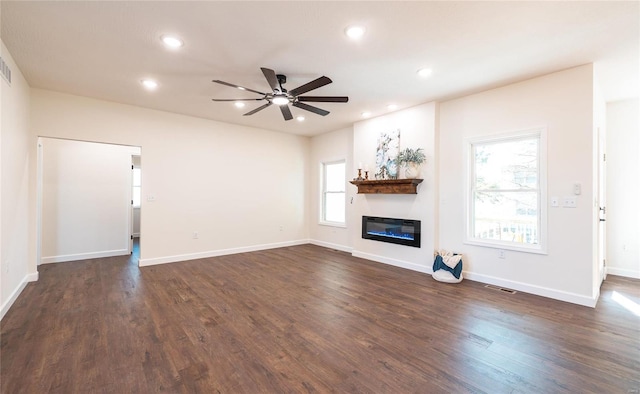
[102, 49]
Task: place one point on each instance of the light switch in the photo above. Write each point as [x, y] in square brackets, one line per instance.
[577, 188]
[151, 198]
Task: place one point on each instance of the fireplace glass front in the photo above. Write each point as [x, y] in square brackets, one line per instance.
[392, 230]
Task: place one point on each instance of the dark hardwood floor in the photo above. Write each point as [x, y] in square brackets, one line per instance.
[306, 319]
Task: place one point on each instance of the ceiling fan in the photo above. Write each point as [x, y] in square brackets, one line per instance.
[282, 98]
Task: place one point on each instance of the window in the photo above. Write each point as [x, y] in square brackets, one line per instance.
[136, 187]
[333, 193]
[506, 191]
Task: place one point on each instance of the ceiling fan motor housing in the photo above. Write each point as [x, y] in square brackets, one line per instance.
[282, 79]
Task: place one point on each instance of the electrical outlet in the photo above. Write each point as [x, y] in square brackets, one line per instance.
[555, 202]
[501, 254]
[569, 202]
[195, 235]
[281, 228]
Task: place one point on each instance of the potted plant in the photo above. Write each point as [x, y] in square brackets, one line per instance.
[411, 160]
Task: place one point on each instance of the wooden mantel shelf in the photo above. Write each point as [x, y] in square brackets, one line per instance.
[388, 186]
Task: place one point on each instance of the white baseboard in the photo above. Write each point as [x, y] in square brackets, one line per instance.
[329, 245]
[214, 253]
[398, 263]
[519, 286]
[14, 296]
[635, 274]
[532, 289]
[83, 256]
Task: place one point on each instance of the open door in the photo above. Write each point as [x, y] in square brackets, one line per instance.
[602, 205]
[136, 193]
[131, 217]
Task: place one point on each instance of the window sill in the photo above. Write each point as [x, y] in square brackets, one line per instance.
[507, 246]
[333, 224]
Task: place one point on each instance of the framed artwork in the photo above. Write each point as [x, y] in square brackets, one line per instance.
[386, 153]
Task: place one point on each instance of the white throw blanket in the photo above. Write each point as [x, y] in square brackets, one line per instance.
[449, 258]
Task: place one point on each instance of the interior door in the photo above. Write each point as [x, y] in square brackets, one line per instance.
[131, 218]
[602, 202]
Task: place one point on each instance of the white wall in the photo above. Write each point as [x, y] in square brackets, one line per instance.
[418, 129]
[234, 185]
[86, 200]
[337, 145]
[623, 188]
[563, 103]
[15, 270]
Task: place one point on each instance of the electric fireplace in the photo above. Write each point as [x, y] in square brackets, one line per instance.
[395, 231]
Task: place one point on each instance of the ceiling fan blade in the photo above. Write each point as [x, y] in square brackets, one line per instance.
[311, 108]
[242, 99]
[315, 84]
[324, 99]
[286, 112]
[260, 108]
[270, 75]
[237, 86]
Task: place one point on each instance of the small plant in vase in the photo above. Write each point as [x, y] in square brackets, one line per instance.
[411, 160]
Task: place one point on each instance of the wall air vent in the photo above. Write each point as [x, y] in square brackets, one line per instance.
[5, 71]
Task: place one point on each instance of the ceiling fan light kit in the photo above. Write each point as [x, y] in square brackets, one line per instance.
[280, 100]
[281, 97]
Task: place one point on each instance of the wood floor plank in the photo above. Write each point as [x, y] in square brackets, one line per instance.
[306, 319]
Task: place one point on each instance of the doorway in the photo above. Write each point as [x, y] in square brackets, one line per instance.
[83, 200]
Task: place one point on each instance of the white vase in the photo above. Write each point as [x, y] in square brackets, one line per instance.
[412, 170]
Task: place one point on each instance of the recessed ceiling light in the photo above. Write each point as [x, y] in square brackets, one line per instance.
[366, 114]
[392, 107]
[239, 104]
[149, 84]
[172, 41]
[355, 32]
[424, 72]
[300, 118]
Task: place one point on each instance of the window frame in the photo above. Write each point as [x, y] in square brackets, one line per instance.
[324, 192]
[539, 133]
